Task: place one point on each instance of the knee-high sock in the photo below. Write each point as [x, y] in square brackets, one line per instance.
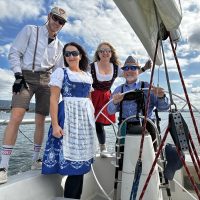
[5, 155]
[37, 148]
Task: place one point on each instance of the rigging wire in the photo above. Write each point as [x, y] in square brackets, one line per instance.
[31, 141]
[185, 90]
[190, 109]
[162, 143]
[167, 79]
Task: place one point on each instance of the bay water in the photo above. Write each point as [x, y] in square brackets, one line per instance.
[21, 158]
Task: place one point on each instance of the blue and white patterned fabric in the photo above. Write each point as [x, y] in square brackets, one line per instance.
[65, 155]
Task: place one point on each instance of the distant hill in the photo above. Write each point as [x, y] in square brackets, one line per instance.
[5, 106]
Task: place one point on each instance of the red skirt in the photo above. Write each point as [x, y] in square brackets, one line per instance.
[99, 99]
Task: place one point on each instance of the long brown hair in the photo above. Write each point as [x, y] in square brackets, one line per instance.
[114, 58]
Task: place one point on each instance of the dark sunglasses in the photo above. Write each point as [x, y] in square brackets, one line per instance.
[105, 50]
[58, 19]
[69, 53]
[132, 67]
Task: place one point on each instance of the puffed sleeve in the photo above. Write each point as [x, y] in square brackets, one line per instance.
[57, 78]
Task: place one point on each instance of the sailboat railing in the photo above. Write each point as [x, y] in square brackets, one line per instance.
[24, 121]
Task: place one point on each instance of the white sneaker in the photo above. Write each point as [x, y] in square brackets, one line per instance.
[37, 165]
[3, 175]
[104, 153]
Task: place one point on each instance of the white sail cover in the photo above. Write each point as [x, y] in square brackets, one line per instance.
[169, 13]
[141, 16]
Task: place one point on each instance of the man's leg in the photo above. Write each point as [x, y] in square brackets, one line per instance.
[10, 136]
[38, 139]
[42, 101]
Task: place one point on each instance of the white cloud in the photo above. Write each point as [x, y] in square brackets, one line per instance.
[190, 27]
[20, 10]
[194, 77]
[174, 81]
[4, 50]
[99, 22]
[195, 90]
[191, 82]
[197, 58]
[194, 38]
[6, 82]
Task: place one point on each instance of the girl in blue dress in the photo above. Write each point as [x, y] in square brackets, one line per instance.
[70, 146]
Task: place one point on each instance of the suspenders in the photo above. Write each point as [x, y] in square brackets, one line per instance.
[33, 66]
[35, 50]
[139, 101]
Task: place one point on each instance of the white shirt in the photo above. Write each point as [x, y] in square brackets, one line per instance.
[106, 77]
[22, 50]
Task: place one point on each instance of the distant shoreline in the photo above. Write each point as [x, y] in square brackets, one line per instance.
[5, 105]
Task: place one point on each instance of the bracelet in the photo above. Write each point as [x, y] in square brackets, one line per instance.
[143, 69]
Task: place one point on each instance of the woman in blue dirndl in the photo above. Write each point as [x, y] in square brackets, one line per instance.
[70, 145]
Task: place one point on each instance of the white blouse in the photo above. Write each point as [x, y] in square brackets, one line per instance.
[58, 75]
[106, 77]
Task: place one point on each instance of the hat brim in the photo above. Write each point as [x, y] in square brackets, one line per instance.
[59, 16]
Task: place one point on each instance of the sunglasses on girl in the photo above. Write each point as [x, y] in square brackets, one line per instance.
[132, 67]
[105, 50]
[69, 53]
[58, 19]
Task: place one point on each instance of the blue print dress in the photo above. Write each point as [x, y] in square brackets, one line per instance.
[73, 153]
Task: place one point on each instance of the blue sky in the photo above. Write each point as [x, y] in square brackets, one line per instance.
[93, 21]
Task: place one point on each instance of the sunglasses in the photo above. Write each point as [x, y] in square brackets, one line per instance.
[132, 67]
[104, 51]
[69, 53]
[58, 19]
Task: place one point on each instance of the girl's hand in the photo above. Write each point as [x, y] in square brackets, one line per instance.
[58, 131]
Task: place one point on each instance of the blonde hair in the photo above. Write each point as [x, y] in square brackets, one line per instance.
[114, 58]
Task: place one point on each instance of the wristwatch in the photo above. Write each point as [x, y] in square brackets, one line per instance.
[143, 69]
